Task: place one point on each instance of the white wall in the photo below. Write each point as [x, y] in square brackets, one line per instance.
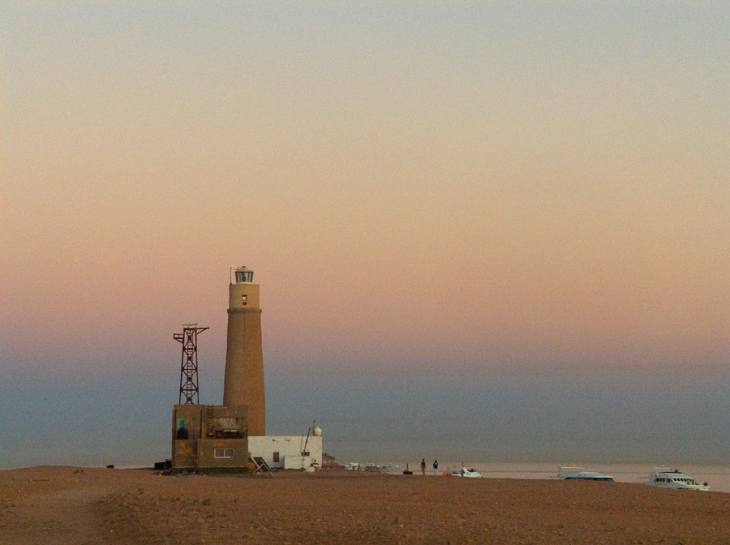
[286, 445]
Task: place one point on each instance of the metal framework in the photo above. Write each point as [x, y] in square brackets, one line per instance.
[189, 388]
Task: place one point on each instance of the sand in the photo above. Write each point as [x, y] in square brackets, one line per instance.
[62, 506]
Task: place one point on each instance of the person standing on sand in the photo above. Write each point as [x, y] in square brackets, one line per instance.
[436, 467]
[423, 467]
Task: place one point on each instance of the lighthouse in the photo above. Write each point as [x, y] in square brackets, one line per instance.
[244, 378]
[232, 436]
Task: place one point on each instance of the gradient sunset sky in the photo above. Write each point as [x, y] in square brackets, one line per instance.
[463, 191]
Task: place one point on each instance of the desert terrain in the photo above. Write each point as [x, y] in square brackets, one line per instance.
[66, 505]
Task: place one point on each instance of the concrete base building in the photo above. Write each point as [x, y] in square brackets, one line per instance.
[209, 437]
[287, 451]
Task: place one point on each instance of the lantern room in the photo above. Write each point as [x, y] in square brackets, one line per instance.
[242, 275]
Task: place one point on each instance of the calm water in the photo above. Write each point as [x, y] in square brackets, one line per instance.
[603, 420]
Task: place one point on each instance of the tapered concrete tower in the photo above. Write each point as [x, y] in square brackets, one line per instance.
[244, 356]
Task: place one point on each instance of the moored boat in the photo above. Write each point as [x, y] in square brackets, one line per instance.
[467, 473]
[677, 480]
[578, 473]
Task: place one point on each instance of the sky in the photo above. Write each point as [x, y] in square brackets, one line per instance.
[486, 218]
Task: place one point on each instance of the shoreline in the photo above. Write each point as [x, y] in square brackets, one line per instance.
[717, 476]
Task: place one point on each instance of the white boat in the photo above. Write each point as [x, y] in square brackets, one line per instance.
[467, 473]
[577, 473]
[352, 466]
[665, 477]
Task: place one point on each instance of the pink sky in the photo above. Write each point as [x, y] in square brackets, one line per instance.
[419, 196]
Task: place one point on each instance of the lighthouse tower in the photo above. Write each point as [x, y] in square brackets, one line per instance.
[244, 381]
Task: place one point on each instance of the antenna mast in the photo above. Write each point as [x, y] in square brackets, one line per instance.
[189, 388]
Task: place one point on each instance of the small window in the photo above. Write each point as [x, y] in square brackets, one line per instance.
[276, 457]
[244, 299]
[223, 452]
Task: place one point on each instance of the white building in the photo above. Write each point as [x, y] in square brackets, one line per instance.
[287, 451]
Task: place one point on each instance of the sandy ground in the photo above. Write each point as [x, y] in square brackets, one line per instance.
[63, 506]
